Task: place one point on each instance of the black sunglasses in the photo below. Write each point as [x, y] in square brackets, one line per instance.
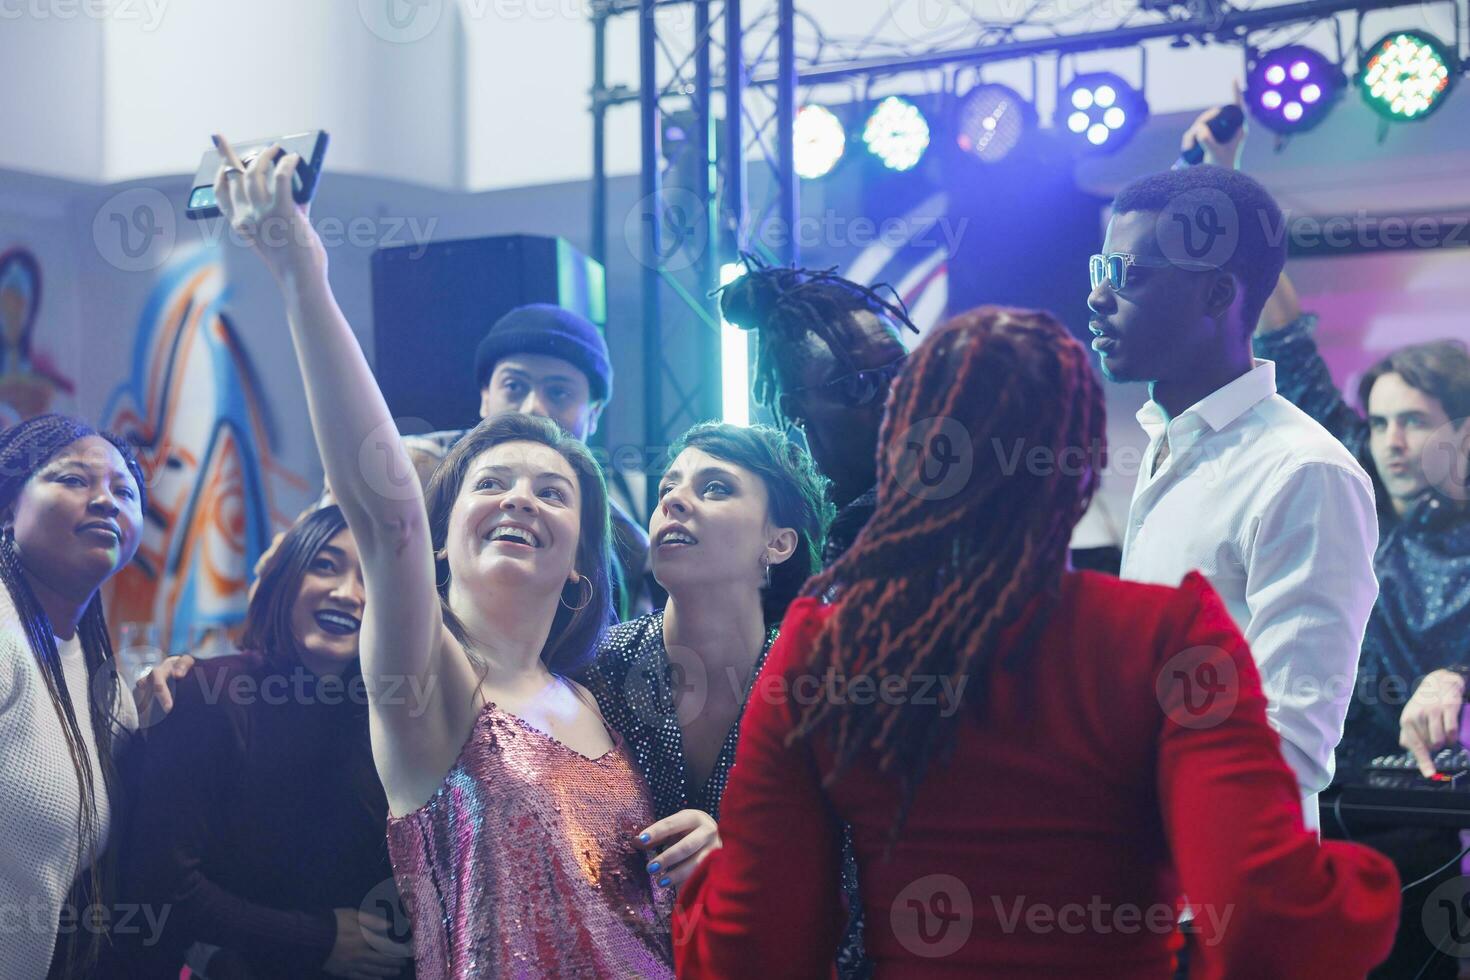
[857, 388]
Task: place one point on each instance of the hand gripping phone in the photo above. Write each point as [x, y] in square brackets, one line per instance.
[311, 146]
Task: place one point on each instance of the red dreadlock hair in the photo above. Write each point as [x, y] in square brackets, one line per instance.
[934, 579]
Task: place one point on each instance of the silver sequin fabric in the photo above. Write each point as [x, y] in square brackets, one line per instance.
[634, 680]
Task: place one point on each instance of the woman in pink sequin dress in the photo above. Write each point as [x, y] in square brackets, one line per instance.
[513, 807]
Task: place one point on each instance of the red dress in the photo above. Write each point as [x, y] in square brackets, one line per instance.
[1078, 808]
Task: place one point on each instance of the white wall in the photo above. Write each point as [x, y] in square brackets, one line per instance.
[51, 114]
[258, 68]
[136, 93]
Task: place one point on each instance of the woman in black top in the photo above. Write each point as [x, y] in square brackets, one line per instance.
[260, 821]
[738, 529]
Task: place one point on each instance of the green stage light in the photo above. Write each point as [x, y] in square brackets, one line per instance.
[1406, 75]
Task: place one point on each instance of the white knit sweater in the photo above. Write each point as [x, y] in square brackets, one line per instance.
[39, 797]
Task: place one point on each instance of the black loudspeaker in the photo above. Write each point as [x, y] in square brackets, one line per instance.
[433, 304]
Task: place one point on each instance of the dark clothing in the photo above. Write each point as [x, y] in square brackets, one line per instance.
[847, 525]
[852, 959]
[632, 577]
[258, 812]
[1417, 852]
[634, 683]
[1421, 621]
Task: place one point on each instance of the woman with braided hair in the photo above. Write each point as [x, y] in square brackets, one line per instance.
[1033, 779]
[71, 513]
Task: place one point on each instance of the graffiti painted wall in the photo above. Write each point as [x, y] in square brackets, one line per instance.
[31, 383]
[192, 402]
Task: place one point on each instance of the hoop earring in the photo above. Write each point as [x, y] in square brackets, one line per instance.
[766, 567]
[582, 580]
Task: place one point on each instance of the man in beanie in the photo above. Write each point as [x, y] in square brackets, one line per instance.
[543, 360]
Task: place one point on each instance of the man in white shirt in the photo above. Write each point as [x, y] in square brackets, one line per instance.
[1236, 482]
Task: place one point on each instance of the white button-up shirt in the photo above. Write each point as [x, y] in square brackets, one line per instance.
[1280, 518]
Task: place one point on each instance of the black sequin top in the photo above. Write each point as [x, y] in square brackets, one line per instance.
[634, 681]
[1421, 621]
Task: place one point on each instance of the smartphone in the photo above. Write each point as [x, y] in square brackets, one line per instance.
[311, 146]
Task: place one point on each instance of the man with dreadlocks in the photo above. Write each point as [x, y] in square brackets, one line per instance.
[828, 350]
[71, 516]
[1044, 813]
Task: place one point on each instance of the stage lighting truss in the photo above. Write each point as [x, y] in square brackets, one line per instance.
[1292, 89]
[897, 133]
[991, 120]
[1100, 112]
[1406, 75]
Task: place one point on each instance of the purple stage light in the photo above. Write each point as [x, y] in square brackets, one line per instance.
[1293, 88]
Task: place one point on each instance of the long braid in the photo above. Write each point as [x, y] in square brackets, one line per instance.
[931, 585]
[24, 450]
[102, 699]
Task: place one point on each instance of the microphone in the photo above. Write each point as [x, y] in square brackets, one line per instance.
[1224, 126]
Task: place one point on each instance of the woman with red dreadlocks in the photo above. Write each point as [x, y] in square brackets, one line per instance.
[1033, 776]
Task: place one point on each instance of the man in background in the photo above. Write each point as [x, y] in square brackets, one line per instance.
[544, 360]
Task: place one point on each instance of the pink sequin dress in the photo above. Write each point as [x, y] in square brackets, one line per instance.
[523, 865]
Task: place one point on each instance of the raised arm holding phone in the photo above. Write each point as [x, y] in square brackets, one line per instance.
[477, 612]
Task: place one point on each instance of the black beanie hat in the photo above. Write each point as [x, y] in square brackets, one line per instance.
[541, 328]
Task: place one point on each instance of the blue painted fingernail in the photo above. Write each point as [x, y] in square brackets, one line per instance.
[644, 838]
[653, 867]
[664, 881]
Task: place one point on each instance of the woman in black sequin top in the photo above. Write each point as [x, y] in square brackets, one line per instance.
[739, 526]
